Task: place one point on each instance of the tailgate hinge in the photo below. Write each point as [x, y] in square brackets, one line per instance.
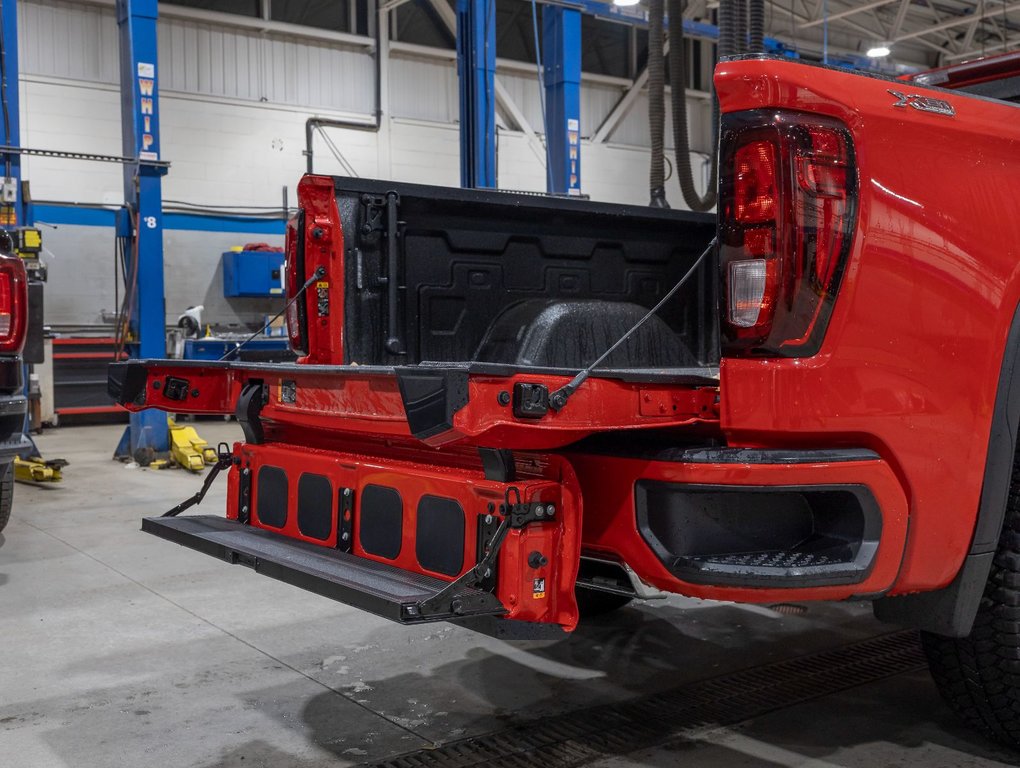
[447, 600]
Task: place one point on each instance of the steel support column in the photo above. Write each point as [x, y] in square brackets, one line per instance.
[139, 105]
[561, 43]
[476, 68]
[11, 213]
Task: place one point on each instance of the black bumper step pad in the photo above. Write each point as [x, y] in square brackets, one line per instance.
[770, 559]
[817, 563]
[384, 590]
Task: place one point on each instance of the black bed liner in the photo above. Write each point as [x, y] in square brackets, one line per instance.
[462, 257]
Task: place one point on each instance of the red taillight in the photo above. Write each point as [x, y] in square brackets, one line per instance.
[755, 194]
[13, 304]
[297, 323]
[788, 197]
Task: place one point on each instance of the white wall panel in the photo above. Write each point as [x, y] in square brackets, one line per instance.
[524, 90]
[633, 129]
[61, 39]
[308, 74]
[597, 101]
[424, 89]
[79, 42]
[196, 58]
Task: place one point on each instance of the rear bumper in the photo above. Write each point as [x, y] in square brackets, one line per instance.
[748, 525]
[13, 406]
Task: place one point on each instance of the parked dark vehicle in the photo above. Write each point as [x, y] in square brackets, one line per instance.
[13, 403]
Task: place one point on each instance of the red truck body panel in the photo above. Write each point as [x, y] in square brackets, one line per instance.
[911, 361]
[895, 409]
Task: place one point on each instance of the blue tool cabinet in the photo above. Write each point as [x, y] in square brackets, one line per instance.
[255, 274]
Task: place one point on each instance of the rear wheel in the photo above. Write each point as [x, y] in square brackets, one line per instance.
[592, 602]
[6, 493]
[979, 675]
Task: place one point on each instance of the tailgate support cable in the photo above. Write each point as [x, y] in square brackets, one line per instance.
[319, 273]
[224, 459]
[559, 398]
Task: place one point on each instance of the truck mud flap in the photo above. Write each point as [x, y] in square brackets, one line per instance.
[384, 590]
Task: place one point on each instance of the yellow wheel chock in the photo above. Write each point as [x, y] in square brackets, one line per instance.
[188, 449]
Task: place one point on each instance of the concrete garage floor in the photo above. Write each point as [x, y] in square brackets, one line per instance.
[120, 649]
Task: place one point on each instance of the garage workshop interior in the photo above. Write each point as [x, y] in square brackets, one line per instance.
[509, 383]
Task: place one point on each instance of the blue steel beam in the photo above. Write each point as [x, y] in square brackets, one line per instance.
[139, 105]
[561, 44]
[11, 216]
[476, 68]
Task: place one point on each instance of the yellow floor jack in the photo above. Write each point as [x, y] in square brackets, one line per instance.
[31, 467]
[187, 449]
[36, 469]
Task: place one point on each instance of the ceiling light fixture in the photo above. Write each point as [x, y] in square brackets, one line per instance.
[878, 51]
[626, 2]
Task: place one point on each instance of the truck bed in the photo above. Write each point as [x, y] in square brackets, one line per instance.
[474, 270]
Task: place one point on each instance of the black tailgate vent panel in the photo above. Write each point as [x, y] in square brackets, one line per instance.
[381, 523]
[439, 536]
[315, 506]
[271, 497]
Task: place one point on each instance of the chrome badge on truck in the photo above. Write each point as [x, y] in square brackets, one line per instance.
[923, 103]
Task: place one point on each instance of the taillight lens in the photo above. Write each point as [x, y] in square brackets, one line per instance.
[13, 304]
[297, 312]
[788, 197]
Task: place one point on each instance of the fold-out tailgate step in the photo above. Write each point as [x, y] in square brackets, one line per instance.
[381, 589]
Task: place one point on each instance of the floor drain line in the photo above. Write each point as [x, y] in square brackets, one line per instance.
[583, 736]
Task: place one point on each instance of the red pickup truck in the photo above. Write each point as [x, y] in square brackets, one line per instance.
[826, 408]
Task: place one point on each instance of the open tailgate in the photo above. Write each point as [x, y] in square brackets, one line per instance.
[441, 404]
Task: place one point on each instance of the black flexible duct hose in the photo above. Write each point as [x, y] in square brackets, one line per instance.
[657, 104]
[727, 33]
[756, 26]
[681, 138]
[740, 26]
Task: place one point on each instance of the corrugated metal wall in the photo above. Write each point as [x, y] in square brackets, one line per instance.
[61, 39]
[77, 41]
[423, 88]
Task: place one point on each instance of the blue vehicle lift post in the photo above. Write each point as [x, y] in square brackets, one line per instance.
[148, 433]
[12, 214]
[10, 126]
[476, 67]
[561, 43]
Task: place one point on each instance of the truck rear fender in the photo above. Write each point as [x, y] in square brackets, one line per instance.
[951, 611]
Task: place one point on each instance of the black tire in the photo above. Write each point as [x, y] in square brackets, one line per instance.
[6, 493]
[592, 602]
[979, 675]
